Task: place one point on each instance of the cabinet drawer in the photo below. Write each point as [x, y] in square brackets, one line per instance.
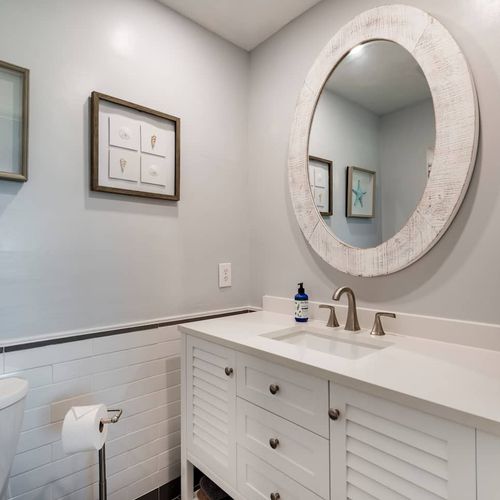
[301, 398]
[257, 480]
[295, 451]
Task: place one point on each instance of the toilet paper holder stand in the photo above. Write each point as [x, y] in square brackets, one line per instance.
[103, 489]
[112, 420]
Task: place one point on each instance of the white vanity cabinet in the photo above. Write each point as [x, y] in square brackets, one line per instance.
[388, 451]
[264, 431]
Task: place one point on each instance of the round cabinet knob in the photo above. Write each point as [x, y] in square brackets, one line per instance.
[275, 496]
[274, 442]
[274, 388]
[334, 414]
[229, 371]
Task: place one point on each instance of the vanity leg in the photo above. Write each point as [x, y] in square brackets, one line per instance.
[187, 482]
[187, 469]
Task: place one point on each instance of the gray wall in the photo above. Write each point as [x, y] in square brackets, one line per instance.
[405, 136]
[459, 277]
[347, 134]
[73, 259]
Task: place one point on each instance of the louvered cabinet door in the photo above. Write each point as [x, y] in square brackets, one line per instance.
[384, 451]
[211, 406]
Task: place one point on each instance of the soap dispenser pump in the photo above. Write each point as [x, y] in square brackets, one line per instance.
[301, 305]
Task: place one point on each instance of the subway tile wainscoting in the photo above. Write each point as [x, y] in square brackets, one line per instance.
[138, 371]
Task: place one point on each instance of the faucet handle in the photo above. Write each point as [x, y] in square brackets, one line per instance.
[377, 328]
[332, 319]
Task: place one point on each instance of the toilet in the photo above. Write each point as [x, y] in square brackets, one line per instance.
[12, 394]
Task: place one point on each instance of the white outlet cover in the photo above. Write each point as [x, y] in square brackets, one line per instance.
[224, 275]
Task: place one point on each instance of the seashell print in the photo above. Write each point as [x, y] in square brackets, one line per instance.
[123, 164]
[153, 170]
[124, 133]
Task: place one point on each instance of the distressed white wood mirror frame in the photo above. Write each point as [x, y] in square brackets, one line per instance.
[457, 128]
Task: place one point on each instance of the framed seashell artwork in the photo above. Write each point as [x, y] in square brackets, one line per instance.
[135, 150]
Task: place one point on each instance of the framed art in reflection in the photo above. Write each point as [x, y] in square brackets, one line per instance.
[321, 182]
[135, 150]
[360, 193]
[14, 113]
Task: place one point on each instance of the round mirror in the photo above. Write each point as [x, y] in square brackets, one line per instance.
[371, 143]
[383, 142]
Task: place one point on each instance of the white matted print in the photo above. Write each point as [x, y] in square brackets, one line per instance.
[154, 140]
[124, 164]
[124, 132]
[156, 170]
[321, 176]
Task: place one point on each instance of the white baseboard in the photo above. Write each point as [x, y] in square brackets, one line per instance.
[470, 333]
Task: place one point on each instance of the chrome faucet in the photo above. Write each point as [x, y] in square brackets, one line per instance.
[352, 324]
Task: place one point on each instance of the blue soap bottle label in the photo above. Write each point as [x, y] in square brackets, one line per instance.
[301, 310]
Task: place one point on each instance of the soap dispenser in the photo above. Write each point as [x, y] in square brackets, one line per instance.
[301, 305]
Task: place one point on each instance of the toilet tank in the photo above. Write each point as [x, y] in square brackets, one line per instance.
[12, 394]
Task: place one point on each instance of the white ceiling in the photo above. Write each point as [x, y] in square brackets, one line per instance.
[246, 23]
[381, 76]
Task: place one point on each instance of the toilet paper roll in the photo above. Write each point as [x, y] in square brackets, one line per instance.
[82, 429]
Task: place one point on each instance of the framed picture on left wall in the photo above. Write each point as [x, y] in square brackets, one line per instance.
[14, 115]
[134, 150]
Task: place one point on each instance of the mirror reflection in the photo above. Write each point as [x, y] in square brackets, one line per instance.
[371, 144]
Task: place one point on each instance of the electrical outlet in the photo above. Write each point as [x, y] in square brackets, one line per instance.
[224, 275]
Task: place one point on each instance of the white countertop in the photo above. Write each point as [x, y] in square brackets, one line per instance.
[459, 378]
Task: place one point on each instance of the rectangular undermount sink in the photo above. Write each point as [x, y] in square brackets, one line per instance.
[337, 342]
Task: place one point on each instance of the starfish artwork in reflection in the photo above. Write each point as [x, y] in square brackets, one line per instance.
[358, 195]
